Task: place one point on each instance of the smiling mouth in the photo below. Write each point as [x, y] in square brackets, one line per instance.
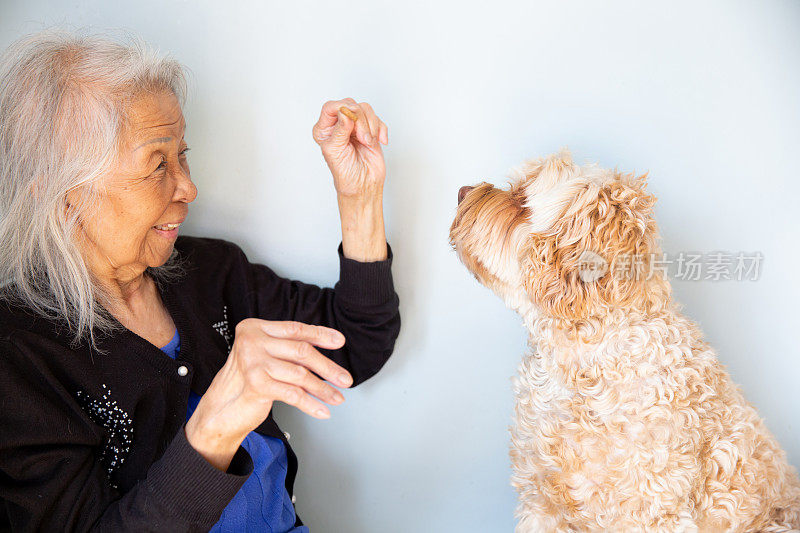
[167, 231]
[167, 227]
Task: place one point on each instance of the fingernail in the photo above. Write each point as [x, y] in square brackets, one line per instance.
[338, 398]
[345, 380]
[322, 413]
[337, 337]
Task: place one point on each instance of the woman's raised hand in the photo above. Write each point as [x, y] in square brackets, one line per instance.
[352, 148]
[269, 361]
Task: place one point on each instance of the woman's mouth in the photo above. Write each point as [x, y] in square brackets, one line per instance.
[170, 231]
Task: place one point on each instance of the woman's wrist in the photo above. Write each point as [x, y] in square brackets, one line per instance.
[217, 449]
[363, 232]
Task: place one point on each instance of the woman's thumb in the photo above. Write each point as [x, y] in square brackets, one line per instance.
[342, 130]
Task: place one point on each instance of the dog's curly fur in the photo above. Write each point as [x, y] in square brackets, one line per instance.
[624, 420]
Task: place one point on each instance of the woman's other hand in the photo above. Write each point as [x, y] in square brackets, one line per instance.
[269, 361]
[352, 149]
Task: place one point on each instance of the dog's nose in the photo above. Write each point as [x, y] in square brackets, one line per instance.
[462, 192]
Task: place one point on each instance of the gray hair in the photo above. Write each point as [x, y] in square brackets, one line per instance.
[63, 100]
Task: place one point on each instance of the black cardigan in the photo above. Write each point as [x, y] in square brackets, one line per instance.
[94, 441]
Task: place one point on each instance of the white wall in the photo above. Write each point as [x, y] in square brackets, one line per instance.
[703, 95]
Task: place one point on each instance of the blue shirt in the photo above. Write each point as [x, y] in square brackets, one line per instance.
[263, 503]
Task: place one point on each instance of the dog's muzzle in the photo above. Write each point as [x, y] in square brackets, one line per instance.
[462, 192]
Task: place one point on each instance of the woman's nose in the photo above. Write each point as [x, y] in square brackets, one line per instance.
[462, 192]
[186, 191]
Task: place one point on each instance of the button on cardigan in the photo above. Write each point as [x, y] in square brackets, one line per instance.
[95, 441]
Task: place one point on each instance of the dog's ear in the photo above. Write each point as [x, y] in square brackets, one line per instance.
[597, 254]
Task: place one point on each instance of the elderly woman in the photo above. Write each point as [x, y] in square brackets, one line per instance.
[138, 368]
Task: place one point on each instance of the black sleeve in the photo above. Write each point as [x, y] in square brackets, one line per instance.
[51, 478]
[363, 306]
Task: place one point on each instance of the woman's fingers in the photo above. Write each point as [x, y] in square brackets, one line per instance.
[384, 134]
[330, 129]
[301, 377]
[316, 335]
[362, 127]
[303, 353]
[329, 115]
[344, 129]
[334, 125]
[295, 396]
[372, 119]
[293, 341]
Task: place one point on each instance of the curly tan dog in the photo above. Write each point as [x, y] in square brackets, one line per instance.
[625, 420]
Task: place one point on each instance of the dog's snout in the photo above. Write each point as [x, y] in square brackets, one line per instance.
[462, 192]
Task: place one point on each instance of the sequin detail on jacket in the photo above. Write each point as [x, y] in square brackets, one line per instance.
[106, 412]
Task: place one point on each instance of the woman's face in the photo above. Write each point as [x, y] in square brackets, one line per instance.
[144, 196]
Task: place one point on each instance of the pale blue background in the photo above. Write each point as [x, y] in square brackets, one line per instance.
[704, 95]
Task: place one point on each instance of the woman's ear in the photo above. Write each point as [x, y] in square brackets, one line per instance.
[597, 255]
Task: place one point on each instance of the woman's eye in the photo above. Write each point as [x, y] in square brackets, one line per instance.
[163, 164]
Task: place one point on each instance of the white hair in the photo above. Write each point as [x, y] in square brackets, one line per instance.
[63, 101]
